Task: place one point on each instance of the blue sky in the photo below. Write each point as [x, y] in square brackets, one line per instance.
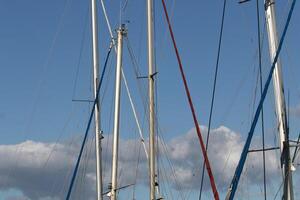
[42, 70]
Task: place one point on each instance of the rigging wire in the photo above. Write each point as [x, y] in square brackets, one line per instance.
[173, 171]
[242, 81]
[165, 177]
[125, 5]
[210, 174]
[261, 90]
[142, 88]
[213, 93]
[71, 114]
[88, 127]
[80, 52]
[164, 33]
[89, 150]
[255, 89]
[69, 169]
[135, 65]
[156, 129]
[279, 188]
[61, 22]
[161, 138]
[125, 82]
[109, 117]
[123, 76]
[108, 138]
[82, 171]
[239, 169]
[136, 172]
[296, 150]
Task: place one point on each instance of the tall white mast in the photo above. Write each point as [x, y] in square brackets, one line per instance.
[98, 131]
[126, 84]
[114, 182]
[280, 102]
[150, 18]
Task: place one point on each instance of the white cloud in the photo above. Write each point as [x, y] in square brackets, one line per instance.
[23, 167]
[224, 152]
[27, 172]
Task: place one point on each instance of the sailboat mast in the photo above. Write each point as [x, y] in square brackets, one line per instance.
[98, 131]
[114, 182]
[279, 102]
[150, 18]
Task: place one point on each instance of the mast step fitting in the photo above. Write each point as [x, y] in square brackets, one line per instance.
[122, 29]
[269, 3]
[266, 149]
[83, 100]
[243, 1]
[283, 157]
[109, 187]
[150, 76]
[101, 135]
[294, 141]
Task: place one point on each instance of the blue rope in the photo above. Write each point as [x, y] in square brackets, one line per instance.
[87, 128]
[239, 169]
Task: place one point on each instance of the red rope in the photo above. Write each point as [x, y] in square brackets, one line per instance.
[209, 171]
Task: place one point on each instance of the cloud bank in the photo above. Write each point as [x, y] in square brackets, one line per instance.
[41, 171]
[224, 152]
